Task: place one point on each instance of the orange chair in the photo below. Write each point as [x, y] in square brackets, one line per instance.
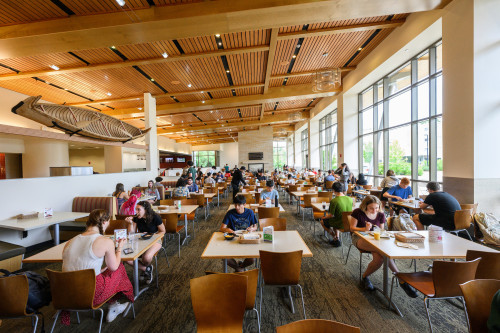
[307, 203]
[463, 221]
[171, 227]
[268, 212]
[279, 224]
[489, 266]
[478, 295]
[316, 326]
[219, 302]
[115, 224]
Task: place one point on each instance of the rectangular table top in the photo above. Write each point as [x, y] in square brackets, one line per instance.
[410, 205]
[40, 221]
[54, 254]
[146, 197]
[255, 207]
[452, 247]
[285, 241]
[185, 209]
[301, 193]
[318, 206]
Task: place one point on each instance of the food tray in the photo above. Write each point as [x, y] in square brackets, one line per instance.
[241, 240]
[409, 237]
[32, 215]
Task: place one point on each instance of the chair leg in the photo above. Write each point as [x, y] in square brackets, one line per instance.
[390, 296]
[347, 257]
[291, 299]
[55, 320]
[258, 319]
[166, 257]
[36, 323]
[342, 244]
[466, 314]
[77, 317]
[100, 321]
[156, 269]
[468, 235]
[302, 297]
[179, 237]
[426, 304]
[260, 300]
[360, 264]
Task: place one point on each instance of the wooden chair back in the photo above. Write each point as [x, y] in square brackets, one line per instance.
[292, 188]
[280, 268]
[470, 206]
[316, 326]
[268, 212]
[200, 198]
[329, 184]
[257, 197]
[211, 293]
[350, 187]
[489, 266]
[14, 290]
[478, 295]
[170, 222]
[300, 182]
[191, 201]
[209, 190]
[248, 197]
[367, 187]
[249, 187]
[346, 221]
[320, 199]
[279, 224]
[72, 290]
[178, 198]
[326, 194]
[308, 197]
[253, 277]
[167, 202]
[463, 219]
[448, 275]
[115, 224]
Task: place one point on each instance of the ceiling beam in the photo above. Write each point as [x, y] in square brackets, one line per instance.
[267, 120]
[270, 57]
[188, 20]
[342, 30]
[289, 75]
[275, 94]
[130, 63]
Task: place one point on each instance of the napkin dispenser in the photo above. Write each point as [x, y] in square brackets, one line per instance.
[268, 233]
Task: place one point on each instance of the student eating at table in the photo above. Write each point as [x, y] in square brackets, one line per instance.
[120, 194]
[330, 177]
[209, 179]
[146, 221]
[400, 192]
[340, 203]
[90, 250]
[192, 187]
[181, 188]
[269, 193]
[364, 219]
[290, 180]
[239, 218]
[444, 204]
[152, 191]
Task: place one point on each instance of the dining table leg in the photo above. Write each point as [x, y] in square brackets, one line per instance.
[224, 261]
[185, 228]
[385, 286]
[136, 278]
[56, 234]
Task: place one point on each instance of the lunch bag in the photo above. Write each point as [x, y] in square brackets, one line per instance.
[489, 228]
[403, 222]
[39, 289]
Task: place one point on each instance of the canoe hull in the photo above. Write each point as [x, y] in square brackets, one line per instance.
[75, 120]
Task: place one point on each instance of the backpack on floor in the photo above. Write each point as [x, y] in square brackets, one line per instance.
[39, 290]
[489, 228]
[403, 222]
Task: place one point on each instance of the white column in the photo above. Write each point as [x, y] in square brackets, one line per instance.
[347, 127]
[39, 155]
[113, 159]
[314, 161]
[152, 160]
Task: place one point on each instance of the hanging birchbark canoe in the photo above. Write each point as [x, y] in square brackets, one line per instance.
[75, 120]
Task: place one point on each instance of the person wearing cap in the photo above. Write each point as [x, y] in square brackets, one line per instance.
[269, 193]
[237, 179]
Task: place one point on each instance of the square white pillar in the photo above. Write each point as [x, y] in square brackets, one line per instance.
[152, 161]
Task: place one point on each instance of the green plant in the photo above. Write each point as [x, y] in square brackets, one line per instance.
[440, 164]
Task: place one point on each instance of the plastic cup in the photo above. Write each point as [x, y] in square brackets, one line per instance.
[376, 234]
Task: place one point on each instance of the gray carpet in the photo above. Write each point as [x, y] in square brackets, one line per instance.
[331, 291]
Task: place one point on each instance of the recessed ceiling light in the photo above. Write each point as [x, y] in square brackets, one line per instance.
[113, 47]
[202, 92]
[325, 54]
[227, 71]
[121, 2]
[360, 49]
[298, 45]
[140, 108]
[47, 82]
[203, 101]
[190, 85]
[54, 67]
[220, 44]
[152, 79]
[165, 55]
[108, 93]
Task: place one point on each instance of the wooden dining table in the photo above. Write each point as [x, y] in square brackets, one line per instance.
[183, 210]
[255, 207]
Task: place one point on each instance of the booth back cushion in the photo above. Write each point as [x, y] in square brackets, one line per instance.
[88, 204]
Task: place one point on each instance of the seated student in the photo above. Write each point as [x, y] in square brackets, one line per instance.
[444, 205]
[147, 221]
[209, 179]
[364, 219]
[239, 218]
[89, 250]
[128, 207]
[330, 176]
[269, 193]
[181, 189]
[260, 176]
[120, 194]
[227, 174]
[399, 192]
[361, 180]
[199, 178]
[340, 203]
[158, 181]
[151, 190]
[389, 181]
[320, 177]
[290, 180]
[192, 187]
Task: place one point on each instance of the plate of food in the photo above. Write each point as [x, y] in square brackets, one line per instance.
[229, 235]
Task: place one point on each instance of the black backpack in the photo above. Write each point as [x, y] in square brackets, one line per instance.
[39, 289]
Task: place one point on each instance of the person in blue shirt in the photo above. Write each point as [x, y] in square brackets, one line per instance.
[399, 192]
[269, 193]
[329, 177]
[239, 218]
[192, 187]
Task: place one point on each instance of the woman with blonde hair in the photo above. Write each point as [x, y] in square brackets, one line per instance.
[364, 219]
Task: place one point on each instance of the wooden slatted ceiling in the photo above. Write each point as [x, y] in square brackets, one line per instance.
[148, 50]
[292, 104]
[247, 68]
[89, 7]
[98, 56]
[32, 87]
[30, 11]
[246, 38]
[174, 2]
[373, 43]
[42, 62]
[283, 56]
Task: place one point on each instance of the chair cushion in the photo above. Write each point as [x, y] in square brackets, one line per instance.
[8, 250]
[422, 281]
[88, 204]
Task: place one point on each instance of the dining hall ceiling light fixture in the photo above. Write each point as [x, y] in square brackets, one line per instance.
[326, 79]
[121, 2]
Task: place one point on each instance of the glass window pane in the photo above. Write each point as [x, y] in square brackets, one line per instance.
[368, 121]
[400, 151]
[400, 109]
[334, 133]
[419, 188]
[439, 57]
[367, 98]
[439, 94]
[423, 100]
[334, 117]
[380, 116]
[439, 151]
[423, 150]
[400, 80]
[380, 139]
[423, 66]
[380, 91]
[368, 154]
[333, 155]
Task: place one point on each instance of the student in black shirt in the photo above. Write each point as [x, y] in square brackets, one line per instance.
[237, 179]
[444, 205]
[146, 220]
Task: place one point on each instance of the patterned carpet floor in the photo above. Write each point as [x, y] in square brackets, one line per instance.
[331, 291]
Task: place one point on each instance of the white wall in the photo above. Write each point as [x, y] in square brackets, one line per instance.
[229, 154]
[88, 157]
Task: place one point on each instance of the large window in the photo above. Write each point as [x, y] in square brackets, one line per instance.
[206, 158]
[279, 154]
[304, 148]
[328, 141]
[400, 122]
